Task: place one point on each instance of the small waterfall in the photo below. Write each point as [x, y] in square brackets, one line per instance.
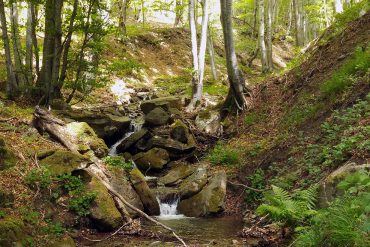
[168, 208]
[135, 126]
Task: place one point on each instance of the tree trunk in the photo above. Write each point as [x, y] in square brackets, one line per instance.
[237, 85]
[11, 86]
[261, 36]
[289, 18]
[179, 11]
[34, 39]
[17, 50]
[211, 51]
[270, 9]
[198, 88]
[299, 32]
[194, 46]
[29, 44]
[338, 6]
[123, 16]
[326, 14]
[255, 11]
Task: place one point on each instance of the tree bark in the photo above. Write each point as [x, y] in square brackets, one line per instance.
[338, 6]
[261, 36]
[34, 39]
[211, 52]
[123, 16]
[11, 86]
[29, 44]
[299, 32]
[237, 87]
[179, 11]
[270, 9]
[194, 46]
[289, 18]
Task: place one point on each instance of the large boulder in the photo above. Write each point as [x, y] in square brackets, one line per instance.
[87, 139]
[210, 200]
[121, 183]
[165, 103]
[7, 157]
[179, 171]
[148, 199]
[103, 212]
[62, 161]
[157, 117]
[128, 144]
[209, 121]
[328, 190]
[155, 158]
[175, 148]
[179, 131]
[106, 125]
[12, 231]
[194, 183]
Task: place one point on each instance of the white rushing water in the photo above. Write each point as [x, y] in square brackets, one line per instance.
[135, 126]
[168, 209]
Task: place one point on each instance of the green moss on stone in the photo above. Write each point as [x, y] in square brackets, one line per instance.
[62, 162]
[11, 230]
[7, 157]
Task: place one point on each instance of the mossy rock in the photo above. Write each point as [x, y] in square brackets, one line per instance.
[155, 158]
[62, 162]
[64, 241]
[194, 183]
[12, 232]
[179, 171]
[210, 200]
[103, 212]
[179, 131]
[147, 197]
[7, 157]
[87, 139]
[157, 117]
[164, 102]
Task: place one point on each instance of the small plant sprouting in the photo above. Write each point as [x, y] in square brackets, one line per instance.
[118, 161]
[223, 155]
[81, 205]
[39, 177]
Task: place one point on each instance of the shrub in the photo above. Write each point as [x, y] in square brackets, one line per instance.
[81, 205]
[39, 177]
[257, 181]
[223, 155]
[54, 228]
[72, 184]
[118, 161]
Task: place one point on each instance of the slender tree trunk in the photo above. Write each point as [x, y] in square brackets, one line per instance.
[237, 84]
[211, 51]
[261, 35]
[289, 18]
[338, 6]
[194, 46]
[326, 14]
[29, 44]
[299, 32]
[11, 86]
[269, 35]
[198, 89]
[123, 16]
[179, 11]
[17, 50]
[34, 39]
[255, 11]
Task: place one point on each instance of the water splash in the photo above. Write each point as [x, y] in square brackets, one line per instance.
[168, 208]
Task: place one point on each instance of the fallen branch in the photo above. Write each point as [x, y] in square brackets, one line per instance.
[247, 187]
[111, 235]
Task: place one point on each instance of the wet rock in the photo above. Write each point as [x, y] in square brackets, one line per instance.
[120, 182]
[328, 190]
[87, 139]
[179, 171]
[208, 121]
[148, 199]
[157, 117]
[155, 158]
[103, 212]
[209, 200]
[12, 231]
[165, 103]
[62, 162]
[7, 157]
[128, 143]
[194, 183]
[175, 148]
[179, 131]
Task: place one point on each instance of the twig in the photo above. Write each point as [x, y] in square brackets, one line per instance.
[247, 187]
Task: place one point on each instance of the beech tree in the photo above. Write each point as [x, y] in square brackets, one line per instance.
[237, 90]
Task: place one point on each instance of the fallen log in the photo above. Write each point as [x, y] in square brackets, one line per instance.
[44, 121]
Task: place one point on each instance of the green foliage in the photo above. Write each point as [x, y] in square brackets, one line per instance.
[345, 75]
[81, 204]
[125, 67]
[72, 184]
[29, 215]
[2, 214]
[289, 209]
[346, 221]
[118, 161]
[250, 118]
[39, 177]
[175, 84]
[54, 228]
[257, 181]
[223, 155]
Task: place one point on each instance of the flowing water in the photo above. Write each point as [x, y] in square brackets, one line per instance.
[168, 209]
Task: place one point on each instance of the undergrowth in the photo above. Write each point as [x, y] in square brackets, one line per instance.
[221, 154]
